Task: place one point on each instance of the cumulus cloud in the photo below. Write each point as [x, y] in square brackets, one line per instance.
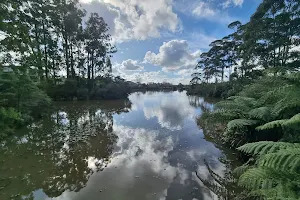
[131, 65]
[203, 10]
[228, 3]
[168, 115]
[132, 19]
[173, 55]
[142, 76]
[211, 10]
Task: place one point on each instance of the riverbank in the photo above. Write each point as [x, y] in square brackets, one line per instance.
[262, 121]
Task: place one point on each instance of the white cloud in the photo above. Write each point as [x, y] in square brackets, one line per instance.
[168, 115]
[143, 77]
[228, 3]
[203, 10]
[133, 19]
[173, 55]
[131, 65]
[211, 10]
[185, 72]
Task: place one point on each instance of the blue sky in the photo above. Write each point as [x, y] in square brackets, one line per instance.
[161, 40]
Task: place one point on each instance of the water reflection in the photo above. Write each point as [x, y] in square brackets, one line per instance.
[53, 154]
[148, 149]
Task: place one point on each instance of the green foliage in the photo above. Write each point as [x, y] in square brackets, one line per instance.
[22, 99]
[219, 90]
[267, 108]
[47, 48]
[261, 113]
[276, 173]
[275, 112]
[271, 125]
[9, 119]
[265, 147]
[240, 124]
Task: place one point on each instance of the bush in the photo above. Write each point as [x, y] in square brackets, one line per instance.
[103, 88]
[218, 90]
[9, 119]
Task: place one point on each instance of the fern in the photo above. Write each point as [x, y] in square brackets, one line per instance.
[294, 121]
[261, 113]
[221, 115]
[272, 125]
[265, 147]
[231, 105]
[240, 124]
[241, 169]
[276, 174]
[286, 160]
[241, 100]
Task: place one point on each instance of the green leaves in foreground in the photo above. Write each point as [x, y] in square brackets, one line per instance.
[276, 173]
[240, 124]
[293, 122]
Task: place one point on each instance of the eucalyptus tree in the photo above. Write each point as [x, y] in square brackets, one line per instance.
[98, 46]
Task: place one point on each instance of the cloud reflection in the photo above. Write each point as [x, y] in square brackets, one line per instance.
[139, 161]
[170, 112]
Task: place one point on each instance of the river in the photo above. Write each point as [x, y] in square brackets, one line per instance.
[145, 148]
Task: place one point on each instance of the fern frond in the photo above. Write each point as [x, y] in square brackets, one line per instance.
[272, 125]
[228, 105]
[283, 160]
[266, 178]
[264, 147]
[261, 113]
[256, 178]
[241, 169]
[286, 100]
[295, 120]
[240, 123]
[242, 100]
[225, 115]
[268, 182]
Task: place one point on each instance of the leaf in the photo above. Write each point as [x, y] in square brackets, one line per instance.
[240, 123]
[272, 125]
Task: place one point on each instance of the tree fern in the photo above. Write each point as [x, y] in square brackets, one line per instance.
[241, 100]
[276, 173]
[224, 115]
[272, 125]
[261, 113]
[294, 121]
[231, 105]
[285, 159]
[240, 124]
[265, 147]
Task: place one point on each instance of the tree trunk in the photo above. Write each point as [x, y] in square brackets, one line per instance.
[46, 53]
[67, 55]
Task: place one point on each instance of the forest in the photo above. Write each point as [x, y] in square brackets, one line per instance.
[52, 50]
[256, 72]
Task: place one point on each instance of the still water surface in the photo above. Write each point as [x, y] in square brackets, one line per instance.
[144, 148]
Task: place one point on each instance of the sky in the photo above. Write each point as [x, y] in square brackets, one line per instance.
[161, 40]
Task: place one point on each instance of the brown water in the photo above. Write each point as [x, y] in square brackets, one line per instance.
[144, 148]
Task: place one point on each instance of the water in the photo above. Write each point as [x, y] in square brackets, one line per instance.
[148, 148]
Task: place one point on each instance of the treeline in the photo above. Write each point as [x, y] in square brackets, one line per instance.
[52, 49]
[261, 116]
[267, 44]
[156, 86]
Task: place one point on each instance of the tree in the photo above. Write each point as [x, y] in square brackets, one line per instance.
[98, 46]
